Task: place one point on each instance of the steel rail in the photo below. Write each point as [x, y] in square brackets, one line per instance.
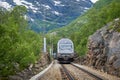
[69, 76]
[89, 73]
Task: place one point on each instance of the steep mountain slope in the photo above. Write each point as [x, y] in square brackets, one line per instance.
[104, 48]
[84, 26]
[50, 13]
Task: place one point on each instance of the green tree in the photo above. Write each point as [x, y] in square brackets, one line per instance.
[20, 47]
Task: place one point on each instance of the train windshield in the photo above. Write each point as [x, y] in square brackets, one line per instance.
[65, 46]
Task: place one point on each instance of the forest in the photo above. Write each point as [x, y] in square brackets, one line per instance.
[19, 46]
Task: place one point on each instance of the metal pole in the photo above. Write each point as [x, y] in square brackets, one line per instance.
[44, 45]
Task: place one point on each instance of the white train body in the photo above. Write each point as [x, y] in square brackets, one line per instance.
[65, 50]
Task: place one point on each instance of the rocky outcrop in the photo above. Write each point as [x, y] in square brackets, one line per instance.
[104, 49]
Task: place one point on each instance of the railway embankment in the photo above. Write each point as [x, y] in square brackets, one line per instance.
[104, 49]
[33, 69]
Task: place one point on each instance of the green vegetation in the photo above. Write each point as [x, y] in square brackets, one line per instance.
[39, 25]
[100, 14]
[19, 47]
[116, 25]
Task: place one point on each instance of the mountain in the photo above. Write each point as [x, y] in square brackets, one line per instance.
[102, 12]
[50, 14]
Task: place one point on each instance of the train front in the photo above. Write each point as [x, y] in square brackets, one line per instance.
[65, 50]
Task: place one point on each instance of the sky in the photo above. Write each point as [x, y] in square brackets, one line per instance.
[94, 1]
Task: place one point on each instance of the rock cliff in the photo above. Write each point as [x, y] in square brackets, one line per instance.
[104, 49]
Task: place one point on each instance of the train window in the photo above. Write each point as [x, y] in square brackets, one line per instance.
[65, 46]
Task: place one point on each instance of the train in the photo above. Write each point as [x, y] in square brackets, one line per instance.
[65, 50]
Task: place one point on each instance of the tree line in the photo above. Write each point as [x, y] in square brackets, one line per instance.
[19, 46]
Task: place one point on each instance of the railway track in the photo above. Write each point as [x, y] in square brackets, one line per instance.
[66, 72]
[81, 74]
[96, 77]
[66, 75]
